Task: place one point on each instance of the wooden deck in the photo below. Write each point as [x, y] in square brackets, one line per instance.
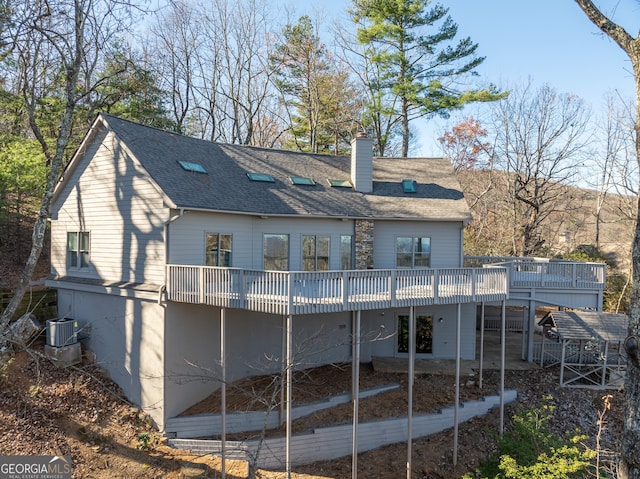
[295, 292]
[303, 292]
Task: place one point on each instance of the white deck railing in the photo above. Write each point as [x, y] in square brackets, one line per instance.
[546, 273]
[295, 292]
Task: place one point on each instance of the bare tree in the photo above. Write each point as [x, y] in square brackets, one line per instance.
[57, 46]
[213, 57]
[540, 135]
[624, 164]
[243, 35]
[177, 40]
[630, 460]
[605, 161]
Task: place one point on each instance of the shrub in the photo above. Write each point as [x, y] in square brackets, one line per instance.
[531, 450]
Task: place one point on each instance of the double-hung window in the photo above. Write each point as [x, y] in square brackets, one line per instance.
[218, 249]
[413, 252]
[78, 249]
[315, 253]
[276, 252]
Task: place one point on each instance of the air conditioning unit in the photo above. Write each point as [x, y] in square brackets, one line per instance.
[62, 332]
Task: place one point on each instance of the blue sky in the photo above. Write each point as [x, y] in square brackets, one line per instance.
[547, 41]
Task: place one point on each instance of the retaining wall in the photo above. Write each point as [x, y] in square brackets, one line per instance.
[336, 441]
[201, 425]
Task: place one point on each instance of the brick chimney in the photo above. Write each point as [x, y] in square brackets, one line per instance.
[362, 163]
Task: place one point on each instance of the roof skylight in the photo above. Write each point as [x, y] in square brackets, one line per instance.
[409, 186]
[261, 177]
[194, 167]
[340, 183]
[302, 180]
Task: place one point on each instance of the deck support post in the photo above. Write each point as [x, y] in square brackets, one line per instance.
[355, 389]
[457, 394]
[604, 364]
[562, 358]
[412, 357]
[223, 391]
[524, 335]
[481, 356]
[289, 393]
[503, 347]
[531, 327]
[283, 356]
[542, 348]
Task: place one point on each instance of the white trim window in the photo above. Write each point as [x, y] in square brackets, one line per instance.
[413, 252]
[346, 252]
[78, 249]
[315, 253]
[218, 249]
[424, 334]
[275, 252]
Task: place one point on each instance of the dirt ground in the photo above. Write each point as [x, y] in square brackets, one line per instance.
[76, 411]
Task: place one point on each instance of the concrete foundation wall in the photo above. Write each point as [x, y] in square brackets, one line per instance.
[254, 345]
[127, 338]
[379, 329]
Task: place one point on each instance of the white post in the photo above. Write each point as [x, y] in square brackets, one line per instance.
[481, 342]
[289, 393]
[525, 333]
[542, 347]
[503, 341]
[355, 390]
[412, 354]
[604, 363]
[562, 357]
[223, 392]
[532, 327]
[457, 394]
[283, 390]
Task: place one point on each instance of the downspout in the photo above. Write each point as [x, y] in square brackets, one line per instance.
[462, 245]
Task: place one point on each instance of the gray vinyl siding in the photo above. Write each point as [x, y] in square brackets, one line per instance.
[114, 200]
[187, 237]
[127, 337]
[446, 246]
[296, 228]
[382, 326]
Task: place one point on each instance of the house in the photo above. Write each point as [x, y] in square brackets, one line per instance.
[188, 263]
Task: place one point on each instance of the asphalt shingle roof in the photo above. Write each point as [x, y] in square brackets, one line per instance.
[586, 325]
[226, 186]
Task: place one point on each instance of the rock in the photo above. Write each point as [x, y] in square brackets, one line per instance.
[25, 328]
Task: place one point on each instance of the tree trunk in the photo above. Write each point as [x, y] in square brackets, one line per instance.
[72, 72]
[630, 461]
[40, 226]
[405, 128]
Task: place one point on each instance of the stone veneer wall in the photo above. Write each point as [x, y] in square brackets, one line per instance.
[364, 244]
